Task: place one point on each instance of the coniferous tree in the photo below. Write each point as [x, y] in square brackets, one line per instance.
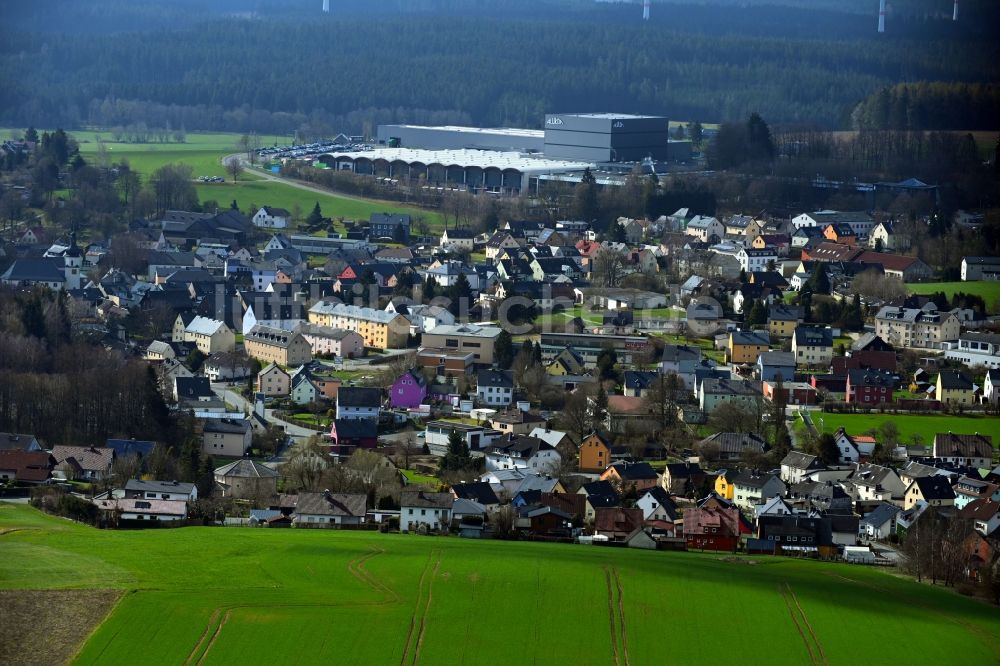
[503, 350]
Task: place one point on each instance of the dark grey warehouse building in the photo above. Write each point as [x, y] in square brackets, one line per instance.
[606, 137]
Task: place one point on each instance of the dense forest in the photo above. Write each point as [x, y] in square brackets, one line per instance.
[259, 65]
[931, 106]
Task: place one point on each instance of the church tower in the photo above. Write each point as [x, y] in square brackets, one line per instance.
[73, 264]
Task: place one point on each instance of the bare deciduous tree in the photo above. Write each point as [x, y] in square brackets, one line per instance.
[234, 167]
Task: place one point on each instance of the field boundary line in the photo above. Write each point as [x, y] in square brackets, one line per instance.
[798, 628]
[427, 608]
[79, 648]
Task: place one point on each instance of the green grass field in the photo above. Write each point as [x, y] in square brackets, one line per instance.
[204, 153]
[989, 290]
[910, 424]
[221, 596]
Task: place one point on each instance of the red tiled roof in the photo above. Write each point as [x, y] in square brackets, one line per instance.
[33, 466]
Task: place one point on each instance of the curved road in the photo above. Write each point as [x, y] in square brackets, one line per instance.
[315, 189]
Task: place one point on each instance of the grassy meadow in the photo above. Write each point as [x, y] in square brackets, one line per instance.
[204, 152]
[925, 425]
[231, 595]
[988, 290]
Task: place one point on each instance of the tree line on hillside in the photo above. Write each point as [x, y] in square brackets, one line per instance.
[216, 75]
[926, 105]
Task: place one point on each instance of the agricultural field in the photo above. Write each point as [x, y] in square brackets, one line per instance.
[230, 595]
[988, 290]
[910, 424]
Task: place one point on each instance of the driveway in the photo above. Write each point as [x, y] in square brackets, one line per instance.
[294, 431]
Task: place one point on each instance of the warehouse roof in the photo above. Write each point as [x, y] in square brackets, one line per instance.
[483, 159]
[508, 131]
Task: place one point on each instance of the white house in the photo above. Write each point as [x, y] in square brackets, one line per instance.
[527, 453]
[458, 239]
[272, 218]
[430, 510]
[879, 523]
[752, 488]
[981, 268]
[753, 261]
[495, 388]
[991, 387]
[656, 504]
[355, 402]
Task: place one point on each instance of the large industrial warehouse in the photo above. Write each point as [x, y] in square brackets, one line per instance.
[451, 137]
[476, 170]
[606, 137]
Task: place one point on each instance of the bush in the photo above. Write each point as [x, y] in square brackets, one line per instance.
[60, 503]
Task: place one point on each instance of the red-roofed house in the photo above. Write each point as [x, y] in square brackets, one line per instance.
[712, 527]
[26, 466]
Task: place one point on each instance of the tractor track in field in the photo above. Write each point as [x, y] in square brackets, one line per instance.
[215, 636]
[411, 650]
[616, 616]
[204, 635]
[815, 649]
[427, 608]
[355, 567]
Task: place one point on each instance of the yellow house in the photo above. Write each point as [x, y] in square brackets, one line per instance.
[724, 484]
[379, 328]
[566, 362]
[954, 388]
[782, 320]
[746, 346]
[595, 453]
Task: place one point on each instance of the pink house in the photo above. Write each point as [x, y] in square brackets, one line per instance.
[409, 390]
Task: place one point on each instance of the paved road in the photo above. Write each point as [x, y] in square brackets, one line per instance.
[267, 175]
[296, 432]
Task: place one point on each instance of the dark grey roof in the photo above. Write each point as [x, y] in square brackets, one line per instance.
[954, 381]
[935, 488]
[139, 485]
[601, 494]
[882, 513]
[751, 338]
[332, 504]
[356, 396]
[478, 491]
[192, 388]
[421, 499]
[811, 336]
[495, 378]
[799, 460]
[228, 426]
[35, 270]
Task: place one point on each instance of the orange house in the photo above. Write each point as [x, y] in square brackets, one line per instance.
[840, 233]
[595, 453]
